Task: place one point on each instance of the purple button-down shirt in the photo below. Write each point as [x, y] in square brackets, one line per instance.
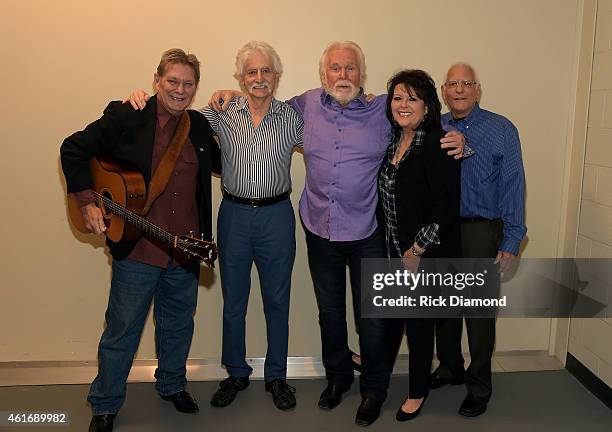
[343, 148]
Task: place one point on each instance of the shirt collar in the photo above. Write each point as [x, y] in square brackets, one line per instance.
[243, 104]
[417, 142]
[359, 101]
[163, 115]
[470, 117]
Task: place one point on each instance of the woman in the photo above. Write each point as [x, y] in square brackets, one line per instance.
[419, 197]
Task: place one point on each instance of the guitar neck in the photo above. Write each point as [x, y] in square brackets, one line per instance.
[137, 221]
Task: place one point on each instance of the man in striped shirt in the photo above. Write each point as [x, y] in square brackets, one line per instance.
[492, 225]
[256, 222]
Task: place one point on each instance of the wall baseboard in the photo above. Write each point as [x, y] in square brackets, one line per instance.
[600, 389]
[83, 372]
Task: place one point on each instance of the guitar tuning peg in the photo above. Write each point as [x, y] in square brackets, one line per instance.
[191, 233]
[201, 236]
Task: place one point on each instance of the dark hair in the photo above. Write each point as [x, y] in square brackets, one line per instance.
[425, 88]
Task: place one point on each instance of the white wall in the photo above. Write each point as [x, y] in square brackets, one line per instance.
[64, 60]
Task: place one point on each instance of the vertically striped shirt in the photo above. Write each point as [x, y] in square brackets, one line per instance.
[256, 160]
[493, 179]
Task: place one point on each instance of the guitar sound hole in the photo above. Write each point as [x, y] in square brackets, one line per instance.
[106, 194]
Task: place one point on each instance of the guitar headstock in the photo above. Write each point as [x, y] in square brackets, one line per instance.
[197, 249]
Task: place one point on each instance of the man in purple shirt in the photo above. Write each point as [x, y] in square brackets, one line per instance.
[345, 138]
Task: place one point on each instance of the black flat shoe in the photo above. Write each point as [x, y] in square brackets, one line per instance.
[403, 416]
[437, 381]
[332, 396]
[228, 389]
[368, 411]
[102, 423]
[472, 407]
[183, 402]
[357, 366]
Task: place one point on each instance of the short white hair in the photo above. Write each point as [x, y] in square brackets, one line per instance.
[251, 47]
[336, 45]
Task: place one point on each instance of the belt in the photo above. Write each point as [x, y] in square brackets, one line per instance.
[477, 219]
[256, 202]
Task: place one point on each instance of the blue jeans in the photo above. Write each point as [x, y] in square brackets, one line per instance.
[265, 235]
[133, 287]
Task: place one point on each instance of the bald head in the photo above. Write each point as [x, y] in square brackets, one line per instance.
[461, 89]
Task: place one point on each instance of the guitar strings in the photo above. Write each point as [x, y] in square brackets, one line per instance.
[145, 225]
[135, 219]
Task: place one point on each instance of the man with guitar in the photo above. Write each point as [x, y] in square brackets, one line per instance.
[172, 153]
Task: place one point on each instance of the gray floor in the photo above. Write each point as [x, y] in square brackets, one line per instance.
[523, 401]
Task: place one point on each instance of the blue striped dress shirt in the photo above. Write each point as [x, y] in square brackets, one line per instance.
[493, 179]
[256, 161]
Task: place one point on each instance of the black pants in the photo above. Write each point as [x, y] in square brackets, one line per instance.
[328, 261]
[479, 239]
[420, 335]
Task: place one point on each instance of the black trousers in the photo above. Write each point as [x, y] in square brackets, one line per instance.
[420, 335]
[328, 261]
[479, 239]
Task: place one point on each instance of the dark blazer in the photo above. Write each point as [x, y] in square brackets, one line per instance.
[128, 136]
[427, 189]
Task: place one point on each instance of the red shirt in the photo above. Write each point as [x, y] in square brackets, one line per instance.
[175, 210]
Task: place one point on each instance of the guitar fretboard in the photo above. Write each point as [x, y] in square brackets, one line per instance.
[137, 221]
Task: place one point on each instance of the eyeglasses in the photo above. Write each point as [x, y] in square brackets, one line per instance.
[465, 83]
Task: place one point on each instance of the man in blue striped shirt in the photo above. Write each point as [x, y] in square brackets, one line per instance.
[492, 225]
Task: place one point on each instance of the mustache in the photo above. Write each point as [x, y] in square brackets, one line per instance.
[262, 84]
[344, 83]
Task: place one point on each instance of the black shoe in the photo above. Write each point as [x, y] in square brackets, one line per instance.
[357, 366]
[403, 416]
[332, 395]
[472, 407]
[368, 411]
[183, 402]
[228, 389]
[102, 423]
[282, 394]
[437, 381]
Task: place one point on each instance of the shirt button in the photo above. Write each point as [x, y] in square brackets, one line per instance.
[334, 164]
[339, 130]
[333, 201]
[337, 147]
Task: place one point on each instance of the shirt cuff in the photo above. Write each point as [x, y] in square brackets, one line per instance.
[84, 197]
[427, 236]
[467, 150]
[511, 246]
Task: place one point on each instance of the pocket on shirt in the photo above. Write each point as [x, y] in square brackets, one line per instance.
[189, 157]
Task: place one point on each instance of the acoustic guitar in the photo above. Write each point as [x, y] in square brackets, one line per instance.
[121, 195]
